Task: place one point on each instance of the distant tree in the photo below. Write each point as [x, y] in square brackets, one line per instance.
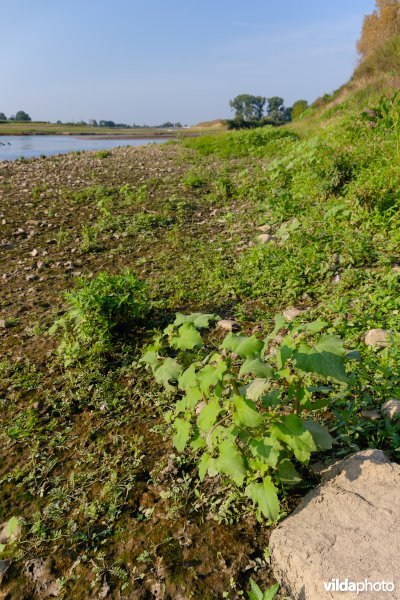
[298, 108]
[59, 123]
[3, 117]
[103, 123]
[275, 104]
[93, 123]
[22, 116]
[248, 107]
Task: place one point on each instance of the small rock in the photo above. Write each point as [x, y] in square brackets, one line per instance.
[3, 324]
[265, 228]
[228, 325]
[31, 277]
[396, 268]
[391, 409]
[265, 238]
[19, 232]
[371, 415]
[378, 338]
[291, 313]
[34, 252]
[51, 241]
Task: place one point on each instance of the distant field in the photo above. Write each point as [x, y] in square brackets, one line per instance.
[37, 128]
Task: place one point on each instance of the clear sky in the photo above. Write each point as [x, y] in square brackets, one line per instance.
[149, 61]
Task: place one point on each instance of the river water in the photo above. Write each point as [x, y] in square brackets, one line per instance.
[29, 146]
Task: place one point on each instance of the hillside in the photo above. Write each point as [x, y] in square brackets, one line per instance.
[185, 330]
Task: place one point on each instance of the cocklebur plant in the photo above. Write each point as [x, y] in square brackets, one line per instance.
[244, 408]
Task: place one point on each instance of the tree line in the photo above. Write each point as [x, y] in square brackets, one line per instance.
[21, 115]
[256, 111]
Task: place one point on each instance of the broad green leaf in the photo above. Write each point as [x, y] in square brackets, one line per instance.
[203, 465]
[187, 338]
[267, 450]
[193, 397]
[284, 353]
[322, 438]
[197, 441]
[256, 388]
[182, 434]
[150, 358]
[280, 323]
[208, 416]
[188, 378]
[292, 431]
[230, 461]
[256, 367]
[168, 370]
[199, 320]
[265, 497]
[242, 345]
[316, 326]
[326, 358]
[203, 320]
[288, 473]
[246, 412]
[210, 375]
[2, 547]
[12, 527]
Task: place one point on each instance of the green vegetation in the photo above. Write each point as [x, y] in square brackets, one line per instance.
[248, 418]
[142, 448]
[98, 309]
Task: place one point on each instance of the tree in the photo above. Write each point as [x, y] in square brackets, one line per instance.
[248, 107]
[22, 116]
[3, 117]
[275, 104]
[298, 108]
[378, 28]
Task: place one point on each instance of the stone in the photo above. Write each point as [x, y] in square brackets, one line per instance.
[265, 228]
[371, 415]
[34, 252]
[391, 409]
[291, 313]
[3, 324]
[228, 325]
[378, 338]
[264, 238]
[346, 528]
[39, 571]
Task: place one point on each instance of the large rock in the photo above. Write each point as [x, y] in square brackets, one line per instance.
[347, 528]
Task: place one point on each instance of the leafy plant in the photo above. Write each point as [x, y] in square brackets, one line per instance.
[96, 310]
[245, 406]
[257, 594]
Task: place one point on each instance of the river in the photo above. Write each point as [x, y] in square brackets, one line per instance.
[30, 146]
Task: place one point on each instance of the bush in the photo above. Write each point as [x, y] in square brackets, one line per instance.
[97, 309]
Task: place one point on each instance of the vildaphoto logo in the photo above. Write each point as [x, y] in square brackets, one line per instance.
[346, 585]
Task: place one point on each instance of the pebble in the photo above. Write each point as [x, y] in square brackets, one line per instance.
[265, 238]
[228, 325]
[391, 409]
[378, 338]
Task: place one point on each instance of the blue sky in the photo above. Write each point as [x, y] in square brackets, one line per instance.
[148, 61]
